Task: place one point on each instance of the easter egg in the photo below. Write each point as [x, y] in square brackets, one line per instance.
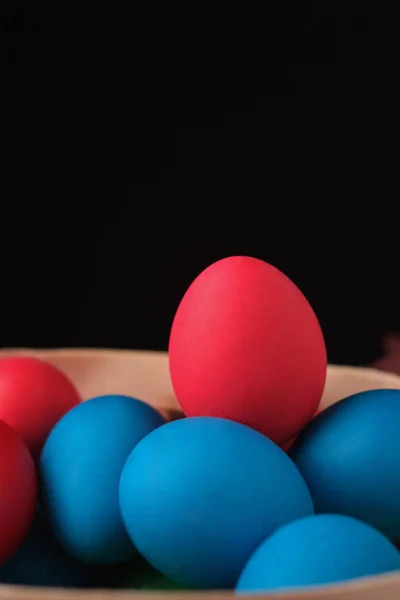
[18, 491]
[318, 550]
[41, 561]
[246, 345]
[349, 456]
[80, 469]
[198, 496]
[34, 395]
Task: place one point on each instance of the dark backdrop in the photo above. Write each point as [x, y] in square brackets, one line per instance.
[269, 127]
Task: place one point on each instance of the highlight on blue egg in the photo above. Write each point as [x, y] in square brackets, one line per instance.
[41, 561]
[80, 468]
[349, 455]
[198, 496]
[318, 550]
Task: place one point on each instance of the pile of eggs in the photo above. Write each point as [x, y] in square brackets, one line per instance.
[253, 489]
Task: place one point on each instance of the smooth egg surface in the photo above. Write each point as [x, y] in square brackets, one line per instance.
[80, 469]
[198, 495]
[317, 550]
[246, 345]
[349, 456]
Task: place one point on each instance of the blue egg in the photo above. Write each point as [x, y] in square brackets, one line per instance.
[318, 550]
[198, 496]
[80, 468]
[349, 456]
[41, 561]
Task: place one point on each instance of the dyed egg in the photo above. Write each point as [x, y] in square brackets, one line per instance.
[198, 496]
[34, 395]
[18, 491]
[41, 561]
[80, 469]
[246, 345]
[318, 550]
[349, 456]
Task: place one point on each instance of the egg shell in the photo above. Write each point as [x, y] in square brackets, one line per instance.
[34, 395]
[317, 550]
[41, 561]
[18, 491]
[246, 345]
[80, 469]
[198, 495]
[349, 456]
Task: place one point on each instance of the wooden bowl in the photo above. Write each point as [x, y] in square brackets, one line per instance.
[145, 375]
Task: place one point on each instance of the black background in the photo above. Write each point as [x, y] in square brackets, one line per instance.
[136, 128]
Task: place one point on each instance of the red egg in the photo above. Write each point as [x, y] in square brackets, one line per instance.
[18, 491]
[34, 395]
[246, 345]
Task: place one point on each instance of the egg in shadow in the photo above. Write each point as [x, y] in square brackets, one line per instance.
[139, 575]
[41, 561]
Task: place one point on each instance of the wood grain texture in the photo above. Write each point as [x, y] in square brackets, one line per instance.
[145, 374]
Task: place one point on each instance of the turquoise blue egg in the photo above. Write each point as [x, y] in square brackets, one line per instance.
[80, 468]
[198, 496]
[317, 550]
[349, 456]
[41, 561]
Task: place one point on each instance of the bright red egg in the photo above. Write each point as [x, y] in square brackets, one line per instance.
[34, 395]
[18, 491]
[246, 345]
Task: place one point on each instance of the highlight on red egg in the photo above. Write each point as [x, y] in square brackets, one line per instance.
[34, 395]
[245, 344]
